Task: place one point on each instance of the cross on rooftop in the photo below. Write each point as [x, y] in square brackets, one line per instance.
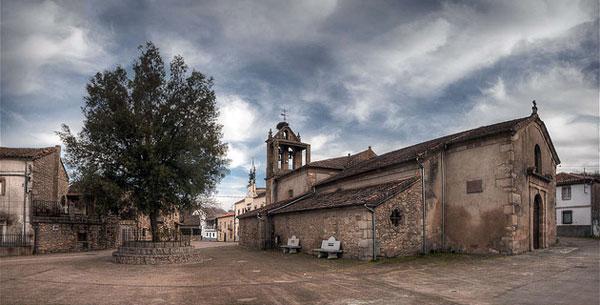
[284, 115]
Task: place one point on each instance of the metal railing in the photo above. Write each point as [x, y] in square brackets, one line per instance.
[48, 208]
[16, 240]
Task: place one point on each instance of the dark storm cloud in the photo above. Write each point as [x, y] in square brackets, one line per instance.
[351, 74]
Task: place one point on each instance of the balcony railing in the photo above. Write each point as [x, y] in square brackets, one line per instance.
[48, 208]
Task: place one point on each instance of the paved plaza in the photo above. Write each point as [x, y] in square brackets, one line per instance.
[566, 274]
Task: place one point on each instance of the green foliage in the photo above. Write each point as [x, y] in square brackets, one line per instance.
[151, 142]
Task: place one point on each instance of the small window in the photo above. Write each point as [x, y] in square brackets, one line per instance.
[2, 186]
[290, 193]
[81, 237]
[566, 193]
[285, 134]
[396, 217]
[538, 159]
[567, 217]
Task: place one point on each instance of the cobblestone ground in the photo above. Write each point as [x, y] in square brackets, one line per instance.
[565, 274]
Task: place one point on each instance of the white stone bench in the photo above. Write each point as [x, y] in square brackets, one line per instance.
[292, 246]
[331, 247]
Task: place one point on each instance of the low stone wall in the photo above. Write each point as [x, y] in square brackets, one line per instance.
[314, 226]
[66, 234]
[154, 253]
[15, 251]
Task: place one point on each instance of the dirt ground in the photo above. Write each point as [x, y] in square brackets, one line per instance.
[566, 274]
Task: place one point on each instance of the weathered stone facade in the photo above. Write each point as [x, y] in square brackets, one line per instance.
[404, 239]
[46, 180]
[485, 190]
[49, 178]
[65, 234]
[312, 227]
[251, 232]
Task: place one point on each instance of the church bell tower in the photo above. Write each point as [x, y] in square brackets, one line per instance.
[284, 154]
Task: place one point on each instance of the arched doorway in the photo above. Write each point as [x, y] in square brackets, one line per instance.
[537, 222]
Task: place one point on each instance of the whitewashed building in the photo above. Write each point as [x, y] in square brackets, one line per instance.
[577, 205]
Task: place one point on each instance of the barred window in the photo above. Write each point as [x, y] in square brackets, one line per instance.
[396, 217]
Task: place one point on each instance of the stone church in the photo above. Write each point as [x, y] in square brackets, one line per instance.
[486, 190]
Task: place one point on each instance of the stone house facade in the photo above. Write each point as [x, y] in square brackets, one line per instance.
[36, 203]
[28, 175]
[485, 190]
[225, 227]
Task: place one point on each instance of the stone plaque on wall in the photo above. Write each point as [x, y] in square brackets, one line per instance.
[474, 186]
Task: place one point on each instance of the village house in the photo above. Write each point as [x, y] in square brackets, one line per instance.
[208, 222]
[486, 190]
[225, 227]
[255, 198]
[190, 225]
[209, 229]
[38, 214]
[577, 205]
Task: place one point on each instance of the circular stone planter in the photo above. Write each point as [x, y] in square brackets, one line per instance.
[154, 253]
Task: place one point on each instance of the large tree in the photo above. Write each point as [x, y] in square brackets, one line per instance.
[151, 142]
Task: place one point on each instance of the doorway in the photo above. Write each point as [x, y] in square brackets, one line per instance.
[537, 236]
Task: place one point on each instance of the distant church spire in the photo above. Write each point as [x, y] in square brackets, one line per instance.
[252, 174]
[534, 109]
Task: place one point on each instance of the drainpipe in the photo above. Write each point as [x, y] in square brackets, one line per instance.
[374, 235]
[424, 205]
[443, 199]
[25, 203]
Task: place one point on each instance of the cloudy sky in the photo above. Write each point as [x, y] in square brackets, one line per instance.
[350, 74]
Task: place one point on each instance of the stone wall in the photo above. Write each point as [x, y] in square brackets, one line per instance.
[64, 234]
[251, 233]
[525, 187]
[50, 181]
[406, 238]
[477, 221]
[314, 226]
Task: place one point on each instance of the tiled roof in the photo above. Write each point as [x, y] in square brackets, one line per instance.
[372, 195]
[25, 153]
[343, 162]
[425, 149]
[570, 178]
[338, 163]
[189, 219]
[226, 215]
[266, 208]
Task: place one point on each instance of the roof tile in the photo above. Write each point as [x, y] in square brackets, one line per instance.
[25, 153]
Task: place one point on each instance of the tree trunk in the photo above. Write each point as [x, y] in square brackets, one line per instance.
[154, 226]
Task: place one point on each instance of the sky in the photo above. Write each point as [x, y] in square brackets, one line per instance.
[350, 74]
